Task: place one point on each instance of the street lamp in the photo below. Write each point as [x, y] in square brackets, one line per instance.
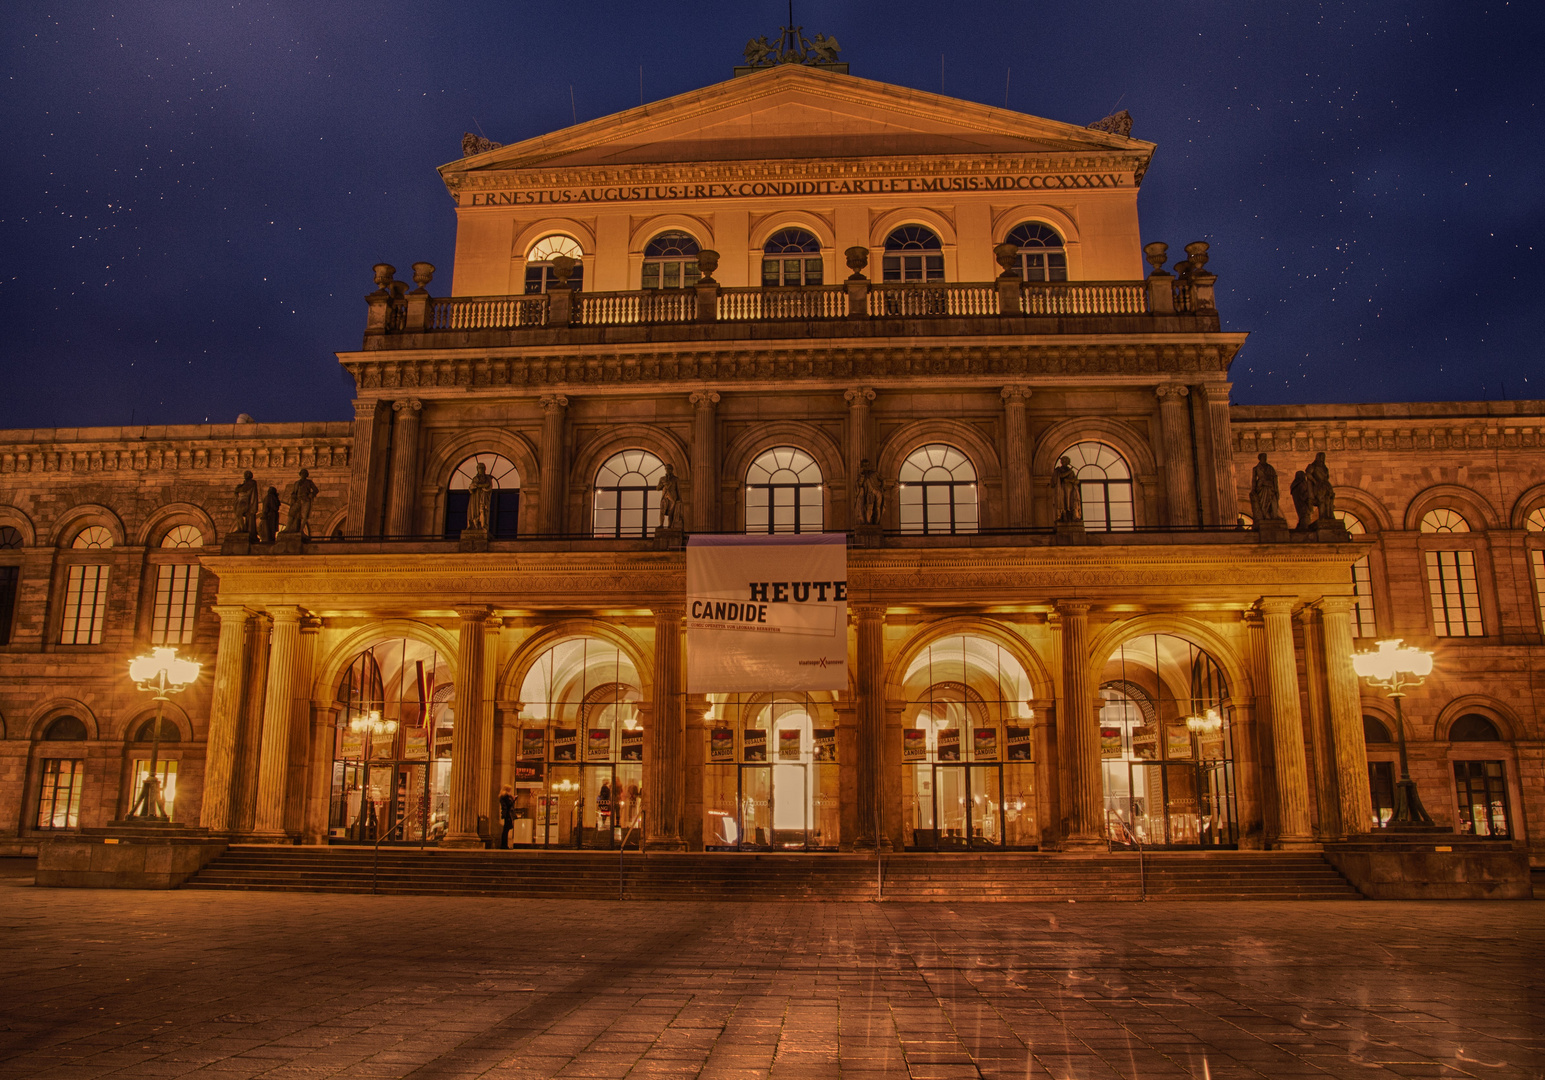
[163, 673]
[1392, 669]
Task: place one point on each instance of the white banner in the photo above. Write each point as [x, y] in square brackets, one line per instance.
[767, 613]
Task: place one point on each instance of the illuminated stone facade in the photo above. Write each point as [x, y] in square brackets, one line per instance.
[780, 278]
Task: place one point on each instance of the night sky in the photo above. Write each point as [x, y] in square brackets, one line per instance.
[195, 192]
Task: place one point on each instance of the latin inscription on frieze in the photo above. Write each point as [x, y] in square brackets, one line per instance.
[759, 189]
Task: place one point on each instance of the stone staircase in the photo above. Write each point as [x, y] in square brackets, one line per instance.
[957, 878]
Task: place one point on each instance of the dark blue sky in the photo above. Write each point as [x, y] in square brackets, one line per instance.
[195, 192]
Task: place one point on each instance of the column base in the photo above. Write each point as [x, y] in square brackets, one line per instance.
[463, 840]
[268, 838]
[1296, 843]
[672, 844]
[1082, 844]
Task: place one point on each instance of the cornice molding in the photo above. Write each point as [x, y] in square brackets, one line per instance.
[1438, 434]
[124, 456]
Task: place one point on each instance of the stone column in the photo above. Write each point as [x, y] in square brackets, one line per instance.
[1346, 717]
[249, 734]
[665, 764]
[1224, 496]
[1079, 734]
[554, 468]
[224, 716]
[859, 400]
[871, 723]
[466, 741]
[1287, 730]
[367, 460]
[705, 461]
[1016, 456]
[1326, 817]
[1175, 429]
[488, 797]
[274, 760]
[403, 494]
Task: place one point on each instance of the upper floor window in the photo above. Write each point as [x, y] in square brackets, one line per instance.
[1456, 600]
[1105, 482]
[913, 253]
[1473, 727]
[92, 537]
[783, 492]
[10, 579]
[176, 607]
[670, 262]
[937, 488]
[503, 501]
[1444, 520]
[627, 501]
[791, 257]
[1041, 255]
[1535, 522]
[66, 729]
[85, 605]
[1362, 582]
[183, 536]
[540, 276]
[10, 537]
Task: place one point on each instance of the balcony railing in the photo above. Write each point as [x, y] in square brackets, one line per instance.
[852, 300]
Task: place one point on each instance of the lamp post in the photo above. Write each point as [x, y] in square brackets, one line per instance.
[1392, 669]
[369, 726]
[162, 673]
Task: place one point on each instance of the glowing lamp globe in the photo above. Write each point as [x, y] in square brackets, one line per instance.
[178, 672]
[1392, 662]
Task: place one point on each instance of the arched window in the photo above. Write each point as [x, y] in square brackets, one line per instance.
[183, 536]
[540, 276]
[627, 503]
[913, 253]
[1473, 727]
[791, 257]
[92, 538]
[1362, 582]
[670, 262]
[937, 487]
[1444, 520]
[504, 504]
[783, 492]
[1041, 256]
[146, 731]
[65, 729]
[1374, 732]
[176, 605]
[10, 537]
[1534, 523]
[1105, 482]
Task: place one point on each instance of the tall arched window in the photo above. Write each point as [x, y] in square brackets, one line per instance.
[176, 605]
[10, 579]
[540, 276]
[1451, 582]
[1534, 524]
[85, 591]
[791, 257]
[670, 262]
[504, 506]
[627, 502]
[1362, 582]
[92, 538]
[783, 492]
[937, 487]
[1041, 255]
[1105, 482]
[913, 253]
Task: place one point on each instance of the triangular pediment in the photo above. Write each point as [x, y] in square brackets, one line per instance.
[797, 112]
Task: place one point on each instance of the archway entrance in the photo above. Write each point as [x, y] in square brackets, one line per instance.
[968, 773]
[392, 746]
[579, 768]
[771, 779]
[1166, 745]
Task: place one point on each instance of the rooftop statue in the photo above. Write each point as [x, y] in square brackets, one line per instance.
[1115, 124]
[1322, 493]
[268, 516]
[246, 506]
[302, 494]
[476, 144]
[1264, 492]
[792, 48]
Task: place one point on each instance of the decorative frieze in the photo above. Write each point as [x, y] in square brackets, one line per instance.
[172, 458]
[1438, 435]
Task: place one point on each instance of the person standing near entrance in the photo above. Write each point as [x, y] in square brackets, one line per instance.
[603, 809]
[507, 814]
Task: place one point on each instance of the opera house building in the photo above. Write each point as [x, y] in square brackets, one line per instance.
[797, 314]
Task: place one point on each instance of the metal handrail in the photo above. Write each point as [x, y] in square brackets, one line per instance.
[622, 848]
[375, 868]
[1128, 836]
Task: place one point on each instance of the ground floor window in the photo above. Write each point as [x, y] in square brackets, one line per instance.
[1481, 787]
[166, 772]
[770, 778]
[59, 795]
[1381, 791]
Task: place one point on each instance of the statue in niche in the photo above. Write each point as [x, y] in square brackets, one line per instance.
[1322, 493]
[871, 494]
[480, 497]
[1070, 494]
[246, 506]
[1303, 501]
[302, 494]
[268, 516]
[669, 488]
[1264, 492]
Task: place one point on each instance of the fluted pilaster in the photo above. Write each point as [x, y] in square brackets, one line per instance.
[278, 704]
[705, 460]
[401, 498]
[1179, 465]
[1016, 455]
[871, 724]
[1079, 734]
[554, 468]
[859, 400]
[224, 716]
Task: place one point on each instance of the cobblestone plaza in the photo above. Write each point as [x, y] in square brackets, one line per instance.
[136, 984]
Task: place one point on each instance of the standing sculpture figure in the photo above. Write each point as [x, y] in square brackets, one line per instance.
[246, 506]
[1263, 492]
[268, 516]
[480, 492]
[1070, 495]
[670, 499]
[871, 494]
[301, 495]
[1302, 500]
[1322, 493]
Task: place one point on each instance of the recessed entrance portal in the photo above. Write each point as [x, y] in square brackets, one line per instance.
[1166, 745]
[770, 782]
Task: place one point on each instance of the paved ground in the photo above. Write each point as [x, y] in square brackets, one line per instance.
[135, 984]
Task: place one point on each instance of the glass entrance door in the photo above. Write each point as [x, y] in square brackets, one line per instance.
[790, 806]
[756, 820]
[968, 806]
[1182, 804]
